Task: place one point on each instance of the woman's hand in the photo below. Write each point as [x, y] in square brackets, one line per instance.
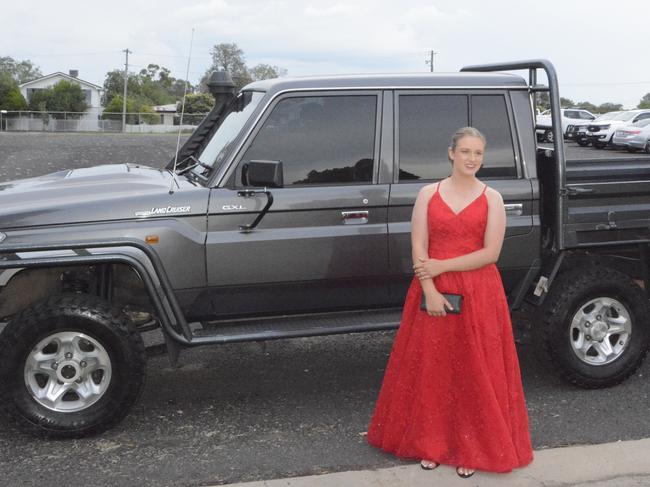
[437, 305]
[428, 268]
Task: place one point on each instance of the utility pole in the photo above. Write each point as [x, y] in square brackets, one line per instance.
[430, 60]
[126, 81]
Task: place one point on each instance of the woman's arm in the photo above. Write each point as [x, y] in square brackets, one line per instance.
[492, 243]
[420, 232]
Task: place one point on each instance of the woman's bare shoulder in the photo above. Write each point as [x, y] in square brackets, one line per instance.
[428, 190]
[493, 195]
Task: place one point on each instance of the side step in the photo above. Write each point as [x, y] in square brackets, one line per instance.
[292, 326]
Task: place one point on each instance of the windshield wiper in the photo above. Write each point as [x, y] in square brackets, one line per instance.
[192, 166]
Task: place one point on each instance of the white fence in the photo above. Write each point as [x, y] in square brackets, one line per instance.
[24, 121]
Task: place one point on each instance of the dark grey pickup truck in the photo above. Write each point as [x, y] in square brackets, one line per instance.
[286, 214]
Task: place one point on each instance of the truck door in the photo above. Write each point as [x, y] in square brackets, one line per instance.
[424, 124]
[323, 245]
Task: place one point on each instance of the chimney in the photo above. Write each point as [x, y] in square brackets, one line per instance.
[74, 73]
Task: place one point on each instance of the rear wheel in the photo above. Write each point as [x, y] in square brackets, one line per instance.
[593, 328]
[74, 366]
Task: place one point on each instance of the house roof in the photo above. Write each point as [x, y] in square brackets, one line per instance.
[170, 108]
[63, 75]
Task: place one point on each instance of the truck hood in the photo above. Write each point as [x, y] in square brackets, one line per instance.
[101, 193]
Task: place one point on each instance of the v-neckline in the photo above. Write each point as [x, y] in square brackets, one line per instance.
[466, 206]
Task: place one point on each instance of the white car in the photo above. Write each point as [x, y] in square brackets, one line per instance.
[601, 132]
[579, 132]
[633, 137]
[570, 118]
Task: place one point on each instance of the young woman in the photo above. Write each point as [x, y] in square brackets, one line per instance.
[452, 390]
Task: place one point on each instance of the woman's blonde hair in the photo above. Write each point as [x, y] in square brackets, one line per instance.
[466, 132]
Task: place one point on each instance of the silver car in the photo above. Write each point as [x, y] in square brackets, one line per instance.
[635, 136]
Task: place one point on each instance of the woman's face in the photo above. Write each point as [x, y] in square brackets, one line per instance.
[467, 158]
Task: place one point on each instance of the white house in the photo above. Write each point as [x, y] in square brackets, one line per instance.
[92, 91]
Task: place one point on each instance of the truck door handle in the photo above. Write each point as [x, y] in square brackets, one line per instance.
[354, 217]
[516, 209]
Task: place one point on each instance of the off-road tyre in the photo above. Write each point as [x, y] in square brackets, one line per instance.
[72, 314]
[569, 292]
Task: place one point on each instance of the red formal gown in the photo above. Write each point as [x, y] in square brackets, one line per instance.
[452, 388]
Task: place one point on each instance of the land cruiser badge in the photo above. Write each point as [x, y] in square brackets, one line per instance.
[164, 210]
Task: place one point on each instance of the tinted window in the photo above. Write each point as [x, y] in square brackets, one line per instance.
[319, 140]
[490, 116]
[571, 114]
[426, 124]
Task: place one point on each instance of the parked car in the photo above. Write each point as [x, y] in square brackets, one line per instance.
[580, 131]
[570, 118]
[288, 215]
[633, 137]
[601, 133]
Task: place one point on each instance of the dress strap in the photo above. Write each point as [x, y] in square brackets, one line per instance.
[437, 187]
[484, 188]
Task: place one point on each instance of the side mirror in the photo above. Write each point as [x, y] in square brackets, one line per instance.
[262, 174]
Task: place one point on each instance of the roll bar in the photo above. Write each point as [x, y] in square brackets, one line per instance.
[556, 119]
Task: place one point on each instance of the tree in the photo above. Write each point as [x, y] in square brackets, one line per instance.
[229, 57]
[10, 96]
[609, 107]
[134, 106]
[20, 71]
[197, 103]
[266, 71]
[114, 85]
[585, 105]
[645, 101]
[154, 83]
[65, 96]
[566, 102]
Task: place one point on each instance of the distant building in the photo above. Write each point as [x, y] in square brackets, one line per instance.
[92, 91]
[166, 112]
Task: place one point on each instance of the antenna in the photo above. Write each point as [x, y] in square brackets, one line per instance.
[180, 122]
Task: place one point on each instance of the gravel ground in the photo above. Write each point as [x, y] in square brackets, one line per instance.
[28, 154]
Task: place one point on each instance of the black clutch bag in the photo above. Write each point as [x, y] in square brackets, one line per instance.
[454, 299]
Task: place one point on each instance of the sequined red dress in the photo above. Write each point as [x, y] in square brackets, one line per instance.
[452, 389]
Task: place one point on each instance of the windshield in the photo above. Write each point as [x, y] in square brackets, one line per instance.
[607, 116]
[624, 116]
[234, 119]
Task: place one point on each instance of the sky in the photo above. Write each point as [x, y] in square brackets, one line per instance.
[599, 48]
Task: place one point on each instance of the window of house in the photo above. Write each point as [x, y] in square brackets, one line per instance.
[319, 140]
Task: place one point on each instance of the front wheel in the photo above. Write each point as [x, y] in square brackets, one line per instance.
[74, 366]
[582, 142]
[593, 328]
